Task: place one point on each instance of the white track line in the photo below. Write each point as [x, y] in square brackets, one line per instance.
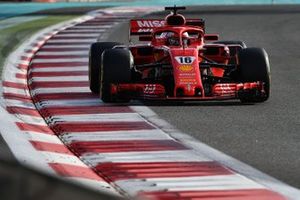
[21, 104]
[60, 69]
[150, 156]
[16, 91]
[40, 137]
[203, 183]
[30, 119]
[59, 60]
[116, 135]
[98, 27]
[66, 41]
[60, 90]
[77, 35]
[66, 46]
[112, 117]
[61, 53]
[71, 102]
[83, 31]
[65, 78]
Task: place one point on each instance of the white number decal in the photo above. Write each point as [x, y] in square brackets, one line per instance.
[185, 59]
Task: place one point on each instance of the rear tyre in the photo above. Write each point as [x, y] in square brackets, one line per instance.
[95, 53]
[116, 68]
[254, 66]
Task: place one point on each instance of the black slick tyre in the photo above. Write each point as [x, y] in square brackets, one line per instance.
[95, 53]
[116, 68]
[254, 66]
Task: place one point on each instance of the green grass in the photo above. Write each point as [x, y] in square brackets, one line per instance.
[12, 37]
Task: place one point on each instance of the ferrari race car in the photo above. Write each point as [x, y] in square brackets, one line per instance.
[177, 60]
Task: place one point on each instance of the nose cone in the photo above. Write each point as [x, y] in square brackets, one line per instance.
[186, 72]
[188, 91]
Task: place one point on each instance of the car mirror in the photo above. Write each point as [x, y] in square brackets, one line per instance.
[211, 37]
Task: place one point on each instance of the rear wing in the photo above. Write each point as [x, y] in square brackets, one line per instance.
[146, 26]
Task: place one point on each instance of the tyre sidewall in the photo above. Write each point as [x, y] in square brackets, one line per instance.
[95, 54]
[116, 68]
[254, 66]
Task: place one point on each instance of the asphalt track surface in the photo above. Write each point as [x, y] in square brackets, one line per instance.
[265, 136]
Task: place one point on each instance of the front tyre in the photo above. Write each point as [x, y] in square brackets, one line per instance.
[254, 66]
[95, 53]
[116, 68]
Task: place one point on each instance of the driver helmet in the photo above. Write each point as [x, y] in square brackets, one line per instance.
[172, 39]
[185, 35]
[185, 38]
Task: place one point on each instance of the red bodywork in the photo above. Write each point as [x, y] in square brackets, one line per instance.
[187, 60]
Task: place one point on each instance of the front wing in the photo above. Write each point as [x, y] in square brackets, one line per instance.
[220, 91]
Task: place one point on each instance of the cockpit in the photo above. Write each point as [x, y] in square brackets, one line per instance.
[178, 37]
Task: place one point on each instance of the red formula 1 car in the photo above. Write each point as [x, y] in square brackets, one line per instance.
[179, 62]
